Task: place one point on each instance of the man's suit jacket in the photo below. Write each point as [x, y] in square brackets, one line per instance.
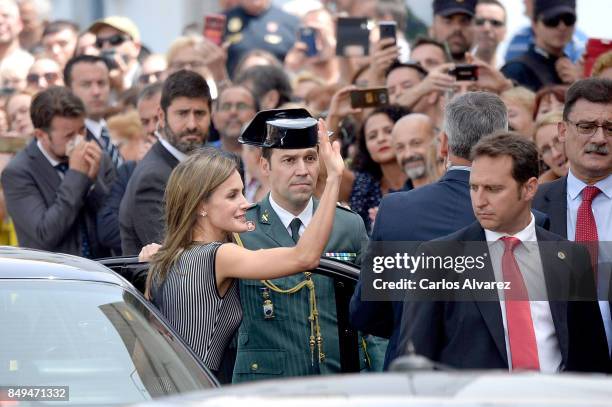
[419, 215]
[470, 334]
[47, 209]
[279, 346]
[108, 216]
[141, 213]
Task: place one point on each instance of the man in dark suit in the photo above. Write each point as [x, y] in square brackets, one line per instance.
[184, 123]
[433, 210]
[588, 106]
[88, 76]
[518, 326]
[55, 186]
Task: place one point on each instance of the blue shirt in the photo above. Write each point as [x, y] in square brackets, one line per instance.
[524, 38]
[602, 211]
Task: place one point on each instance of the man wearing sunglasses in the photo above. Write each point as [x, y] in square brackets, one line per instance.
[545, 62]
[43, 73]
[118, 39]
[489, 29]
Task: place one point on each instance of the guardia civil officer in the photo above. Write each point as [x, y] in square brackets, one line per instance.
[276, 337]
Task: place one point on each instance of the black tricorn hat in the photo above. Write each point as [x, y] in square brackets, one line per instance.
[281, 128]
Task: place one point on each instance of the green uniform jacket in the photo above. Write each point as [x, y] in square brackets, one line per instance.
[271, 348]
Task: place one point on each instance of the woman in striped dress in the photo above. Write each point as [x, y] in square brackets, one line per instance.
[192, 278]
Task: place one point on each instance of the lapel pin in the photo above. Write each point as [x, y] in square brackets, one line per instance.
[561, 255]
[265, 217]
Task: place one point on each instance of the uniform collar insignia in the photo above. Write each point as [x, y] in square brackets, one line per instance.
[265, 217]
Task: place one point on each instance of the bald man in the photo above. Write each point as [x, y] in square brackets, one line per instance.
[412, 139]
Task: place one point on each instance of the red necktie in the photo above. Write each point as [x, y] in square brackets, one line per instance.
[521, 334]
[586, 228]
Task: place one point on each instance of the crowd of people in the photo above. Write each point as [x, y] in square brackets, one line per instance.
[109, 149]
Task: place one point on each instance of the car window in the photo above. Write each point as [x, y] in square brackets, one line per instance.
[98, 339]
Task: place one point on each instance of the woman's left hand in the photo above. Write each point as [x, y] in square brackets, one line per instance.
[148, 252]
[330, 153]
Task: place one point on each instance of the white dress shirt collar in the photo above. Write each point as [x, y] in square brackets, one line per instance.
[95, 127]
[286, 217]
[528, 234]
[179, 155]
[575, 185]
[51, 160]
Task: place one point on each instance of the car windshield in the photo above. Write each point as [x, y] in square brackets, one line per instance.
[98, 339]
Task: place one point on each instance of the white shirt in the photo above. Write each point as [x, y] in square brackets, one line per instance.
[602, 211]
[286, 217]
[95, 127]
[530, 264]
[179, 155]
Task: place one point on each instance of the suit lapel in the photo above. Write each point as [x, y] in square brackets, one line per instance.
[490, 310]
[557, 277]
[271, 224]
[42, 167]
[557, 203]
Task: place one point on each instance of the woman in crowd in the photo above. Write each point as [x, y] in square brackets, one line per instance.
[192, 279]
[520, 103]
[376, 169]
[18, 112]
[549, 99]
[551, 149]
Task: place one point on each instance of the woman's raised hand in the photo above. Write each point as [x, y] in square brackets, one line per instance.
[330, 153]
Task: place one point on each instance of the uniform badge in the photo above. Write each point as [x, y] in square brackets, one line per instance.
[267, 306]
[561, 255]
[234, 24]
[272, 26]
[344, 256]
[234, 38]
[265, 217]
[273, 39]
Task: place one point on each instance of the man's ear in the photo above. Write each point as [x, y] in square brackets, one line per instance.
[443, 147]
[161, 118]
[264, 166]
[530, 188]
[40, 134]
[562, 130]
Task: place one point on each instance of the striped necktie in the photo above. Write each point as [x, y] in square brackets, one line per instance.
[110, 148]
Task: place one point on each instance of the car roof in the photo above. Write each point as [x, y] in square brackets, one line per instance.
[31, 264]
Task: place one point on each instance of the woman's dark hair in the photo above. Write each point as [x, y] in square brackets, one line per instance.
[186, 84]
[363, 160]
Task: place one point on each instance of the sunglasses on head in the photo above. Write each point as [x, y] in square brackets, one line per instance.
[495, 23]
[567, 18]
[49, 77]
[113, 40]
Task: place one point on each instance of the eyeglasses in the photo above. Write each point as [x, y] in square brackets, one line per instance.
[568, 19]
[589, 128]
[240, 106]
[113, 40]
[495, 23]
[50, 77]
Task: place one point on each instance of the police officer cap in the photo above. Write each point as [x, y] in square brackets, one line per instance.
[553, 8]
[281, 128]
[447, 8]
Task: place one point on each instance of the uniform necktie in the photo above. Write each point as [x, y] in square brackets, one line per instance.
[295, 229]
[586, 228]
[85, 248]
[521, 333]
[110, 148]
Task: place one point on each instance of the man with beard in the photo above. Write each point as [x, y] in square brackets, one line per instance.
[452, 23]
[184, 120]
[234, 108]
[412, 136]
